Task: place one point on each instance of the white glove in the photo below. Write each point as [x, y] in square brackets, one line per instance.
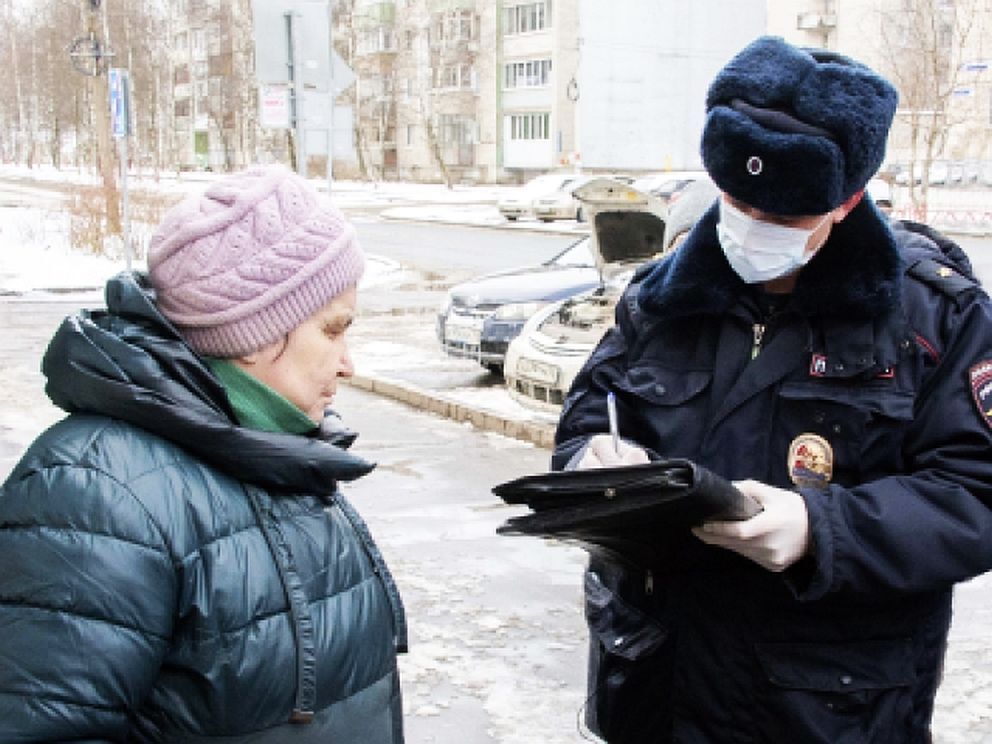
[600, 453]
[775, 538]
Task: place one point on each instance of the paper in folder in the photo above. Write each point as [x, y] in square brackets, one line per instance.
[622, 510]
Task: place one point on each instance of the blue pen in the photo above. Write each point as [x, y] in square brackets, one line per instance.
[611, 413]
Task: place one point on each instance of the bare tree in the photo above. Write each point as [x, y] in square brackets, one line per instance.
[923, 43]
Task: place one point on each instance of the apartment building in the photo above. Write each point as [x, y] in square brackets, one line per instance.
[214, 91]
[469, 90]
[479, 91]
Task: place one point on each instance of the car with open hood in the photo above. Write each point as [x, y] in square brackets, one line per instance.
[629, 228]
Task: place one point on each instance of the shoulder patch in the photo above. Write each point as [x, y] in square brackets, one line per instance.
[945, 279]
[980, 379]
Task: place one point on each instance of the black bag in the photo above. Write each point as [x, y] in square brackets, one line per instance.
[622, 511]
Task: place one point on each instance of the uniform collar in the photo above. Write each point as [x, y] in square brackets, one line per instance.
[856, 275]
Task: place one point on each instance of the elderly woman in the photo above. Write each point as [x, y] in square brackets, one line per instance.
[179, 563]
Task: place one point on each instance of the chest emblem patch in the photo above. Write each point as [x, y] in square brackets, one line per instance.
[980, 378]
[811, 461]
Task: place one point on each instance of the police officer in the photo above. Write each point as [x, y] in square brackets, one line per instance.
[840, 372]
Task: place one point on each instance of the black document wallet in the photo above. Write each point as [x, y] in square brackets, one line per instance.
[622, 510]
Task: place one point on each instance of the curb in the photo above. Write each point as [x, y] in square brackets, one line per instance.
[536, 433]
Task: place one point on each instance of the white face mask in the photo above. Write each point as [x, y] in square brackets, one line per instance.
[760, 251]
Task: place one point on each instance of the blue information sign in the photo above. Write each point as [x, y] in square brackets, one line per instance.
[120, 102]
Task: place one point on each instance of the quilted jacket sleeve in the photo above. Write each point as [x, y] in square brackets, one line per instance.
[87, 598]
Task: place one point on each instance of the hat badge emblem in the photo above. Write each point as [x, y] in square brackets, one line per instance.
[755, 165]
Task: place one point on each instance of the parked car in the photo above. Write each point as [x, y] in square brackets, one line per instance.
[519, 202]
[880, 192]
[629, 227]
[667, 184]
[563, 205]
[560, 204]
[480, 317]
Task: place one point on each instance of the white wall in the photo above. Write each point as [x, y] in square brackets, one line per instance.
[643, 73]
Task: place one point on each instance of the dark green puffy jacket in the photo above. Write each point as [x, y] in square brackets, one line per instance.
[168, 576]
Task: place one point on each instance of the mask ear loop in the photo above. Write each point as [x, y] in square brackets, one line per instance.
[813, 252]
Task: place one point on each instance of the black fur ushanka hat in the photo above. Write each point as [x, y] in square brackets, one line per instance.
[795, 131]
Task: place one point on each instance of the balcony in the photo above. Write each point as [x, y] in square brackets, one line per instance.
[448, 6]
[372, 15]
[816, 21]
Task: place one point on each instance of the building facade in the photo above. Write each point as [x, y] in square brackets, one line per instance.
[478, 91]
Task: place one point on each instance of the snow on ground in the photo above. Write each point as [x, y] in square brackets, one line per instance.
[36, 256]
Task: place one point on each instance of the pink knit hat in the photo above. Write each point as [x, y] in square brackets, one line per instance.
[245, 263]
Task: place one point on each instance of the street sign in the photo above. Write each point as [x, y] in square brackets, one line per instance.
[273, 103]
[322, 68]
[119, 86]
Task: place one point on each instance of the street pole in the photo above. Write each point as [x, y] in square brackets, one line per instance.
[296, 85]
[330, 87]
[101, 115]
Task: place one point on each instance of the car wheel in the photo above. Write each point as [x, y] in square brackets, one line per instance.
[580, 215]
[511, 217]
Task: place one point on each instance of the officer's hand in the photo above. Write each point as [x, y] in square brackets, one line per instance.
[775, 538]
[600, 454]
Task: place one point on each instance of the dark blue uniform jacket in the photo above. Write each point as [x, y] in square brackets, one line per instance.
[884, 350]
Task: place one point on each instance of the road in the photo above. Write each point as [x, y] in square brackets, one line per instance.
[497, 634]
[454, 252]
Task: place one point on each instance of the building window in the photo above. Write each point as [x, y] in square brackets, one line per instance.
[199, 43]
[455, 129]
[458, 25]
[527, 17]
[409, 134]
[530, 126]
[455, 76]
[376, 40]
[533, 73]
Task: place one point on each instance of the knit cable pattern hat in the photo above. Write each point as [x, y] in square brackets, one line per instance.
[795, 131]
[241, 266]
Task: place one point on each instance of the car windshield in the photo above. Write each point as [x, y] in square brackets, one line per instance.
[577, 254]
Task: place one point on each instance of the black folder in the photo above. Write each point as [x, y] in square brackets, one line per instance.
[622, 511]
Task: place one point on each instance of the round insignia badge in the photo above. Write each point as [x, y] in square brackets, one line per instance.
[755, 165]
[811, 461]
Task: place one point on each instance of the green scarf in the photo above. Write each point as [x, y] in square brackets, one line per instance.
[256, 405]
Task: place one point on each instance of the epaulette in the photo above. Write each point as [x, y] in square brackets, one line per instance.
[945, 279]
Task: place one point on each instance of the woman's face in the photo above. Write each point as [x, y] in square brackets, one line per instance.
[305, 366]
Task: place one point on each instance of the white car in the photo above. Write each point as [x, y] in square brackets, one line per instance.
[560, 204]
[630, 227]
[880, 192]
[667, 183]
[563, 203]
[519, 202]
